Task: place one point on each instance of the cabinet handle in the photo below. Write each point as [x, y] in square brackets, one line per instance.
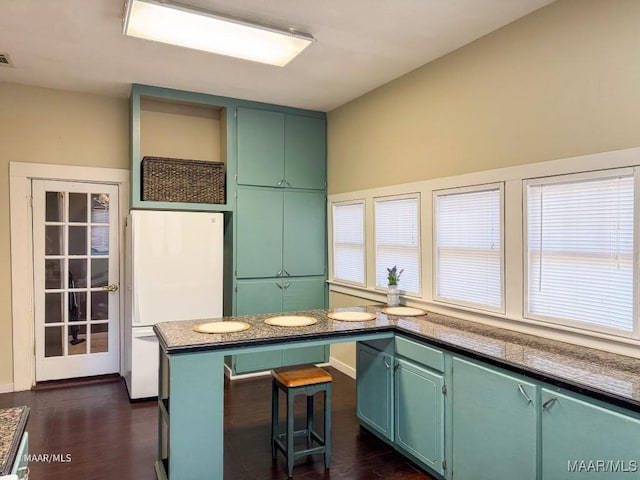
[396, 365]
[549, 402]
[523, 393]
[279, 286]
[281, 182]
[279, 274]
[285, 272]
[386, 364]
[287, 285]
[287, 183]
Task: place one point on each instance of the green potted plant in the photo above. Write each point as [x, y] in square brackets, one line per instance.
[393, 277]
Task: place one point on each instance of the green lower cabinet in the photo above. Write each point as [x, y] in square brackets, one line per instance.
[258, 296]
[303, 294]
[494, 424]
[581, 440]
[419, 413]
[259, 362]
[374, 389]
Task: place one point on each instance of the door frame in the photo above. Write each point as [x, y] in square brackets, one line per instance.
[22, 288]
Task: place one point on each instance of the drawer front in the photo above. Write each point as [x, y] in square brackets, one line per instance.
[383, 345]
[419, 353]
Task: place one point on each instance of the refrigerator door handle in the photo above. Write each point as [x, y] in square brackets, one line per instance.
[135, 314]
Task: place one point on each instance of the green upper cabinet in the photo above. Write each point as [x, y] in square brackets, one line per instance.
[259, 232]
[305, 152]
[260, 147]
[304, 251]
[281, 233]
[494, 424]
[582, 440]
[278, 149]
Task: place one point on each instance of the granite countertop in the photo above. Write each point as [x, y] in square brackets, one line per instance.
[12, 423]
[607, 376]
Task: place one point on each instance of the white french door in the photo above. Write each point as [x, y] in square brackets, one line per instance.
[76, 277]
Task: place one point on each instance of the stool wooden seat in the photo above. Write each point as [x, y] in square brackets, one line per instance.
[300, 380]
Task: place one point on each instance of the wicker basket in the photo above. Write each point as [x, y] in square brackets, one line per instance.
[180, 180]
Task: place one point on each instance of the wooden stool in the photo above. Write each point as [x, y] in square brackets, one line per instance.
[307, 380]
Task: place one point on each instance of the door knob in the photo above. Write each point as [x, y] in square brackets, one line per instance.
[110, 288]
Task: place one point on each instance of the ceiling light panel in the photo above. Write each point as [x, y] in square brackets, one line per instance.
[184, 26]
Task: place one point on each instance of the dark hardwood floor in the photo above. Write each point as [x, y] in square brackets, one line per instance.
[108, 437]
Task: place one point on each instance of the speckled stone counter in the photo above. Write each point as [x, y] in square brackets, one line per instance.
[12, 423]
[605, 376]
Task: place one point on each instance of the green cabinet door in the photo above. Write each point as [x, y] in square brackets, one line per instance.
[303, 294]
[305, 152]
[494, 424]
[302, 355]
[305, 233]
[374, 390]
[259, 235]
[585, 441]
[258, 296]
[260, 147]
[419, 413]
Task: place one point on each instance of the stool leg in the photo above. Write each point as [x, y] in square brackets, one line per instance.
[327, 426]
[309, 419]
[291, 456]
[274, 418]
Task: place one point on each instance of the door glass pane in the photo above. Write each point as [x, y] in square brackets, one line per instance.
[53, 273]
[54, 207]
[54, 240]
[77, 306]
[100, 208]
[99, 240]
[100, 338]
[77, 240]
[99, 305]
[53, 338]
[77, 273]
[77, 339]
[99, 272]
[77, 207]
[53, 307]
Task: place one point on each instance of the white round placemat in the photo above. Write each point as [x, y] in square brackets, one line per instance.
[290, 321]
[221, 327]
[348, 316]
[404, 311]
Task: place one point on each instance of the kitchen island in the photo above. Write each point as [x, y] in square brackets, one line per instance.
[191, 371]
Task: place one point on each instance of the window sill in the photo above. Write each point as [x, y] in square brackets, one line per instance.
[601, 341]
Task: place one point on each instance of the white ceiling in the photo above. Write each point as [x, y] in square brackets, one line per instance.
[361, 44]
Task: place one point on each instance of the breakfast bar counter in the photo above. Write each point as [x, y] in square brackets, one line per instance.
[191, 370]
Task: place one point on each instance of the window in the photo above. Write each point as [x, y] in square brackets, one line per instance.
[348, 242]
[468, 247]
[398, 240]
[579, 247]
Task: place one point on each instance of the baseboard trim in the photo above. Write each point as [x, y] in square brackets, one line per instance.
[343, 367]
[6, 387]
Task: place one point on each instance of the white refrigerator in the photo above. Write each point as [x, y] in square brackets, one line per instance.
[173, 271]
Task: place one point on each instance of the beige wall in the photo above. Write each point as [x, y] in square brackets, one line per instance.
[345, 352]
[560, 82]
[563, 81]
[49, 126]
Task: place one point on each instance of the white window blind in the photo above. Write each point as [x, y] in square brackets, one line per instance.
[348, 242]
[468, 247]
[397, 236]
[580, 250]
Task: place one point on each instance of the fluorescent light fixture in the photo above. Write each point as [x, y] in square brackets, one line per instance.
[189, 27]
